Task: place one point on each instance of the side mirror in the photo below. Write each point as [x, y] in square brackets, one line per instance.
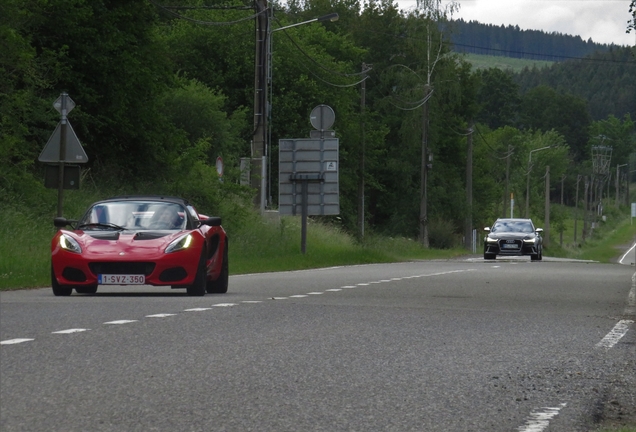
[539, 230]
[211, 221]
[61, 222]
[487, 229]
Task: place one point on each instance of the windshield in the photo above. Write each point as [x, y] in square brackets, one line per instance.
[135, 215]
[513, 226]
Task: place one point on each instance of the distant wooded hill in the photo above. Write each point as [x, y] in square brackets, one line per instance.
[606, 80]
[601, 74]
[511, 41]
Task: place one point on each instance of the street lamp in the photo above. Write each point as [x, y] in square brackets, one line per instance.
[528, 177]
[270, 51]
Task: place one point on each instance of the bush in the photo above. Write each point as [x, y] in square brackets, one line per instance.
[441, 234]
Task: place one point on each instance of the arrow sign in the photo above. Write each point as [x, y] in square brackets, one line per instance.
[74, 151]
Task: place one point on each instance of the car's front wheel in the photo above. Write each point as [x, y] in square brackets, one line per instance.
[198, 287]
[488, 256]
[219, 286]
[59, 290]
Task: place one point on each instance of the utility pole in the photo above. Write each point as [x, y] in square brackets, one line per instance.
[506, 194]
[561, 231]
[361, 184]
[468, 227]
[576, 206]
[261, 71]
[424, 172]
[546, 227]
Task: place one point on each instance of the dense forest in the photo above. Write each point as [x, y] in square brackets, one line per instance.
[511, 41]
[161, 92]
[605, 79]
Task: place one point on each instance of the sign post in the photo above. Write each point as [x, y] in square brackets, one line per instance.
[63, 148]
[308, 172]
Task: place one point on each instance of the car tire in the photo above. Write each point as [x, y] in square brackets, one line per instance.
[198, 287]
[219, 286]
[91, 289]
[490, 256]
[59, 290]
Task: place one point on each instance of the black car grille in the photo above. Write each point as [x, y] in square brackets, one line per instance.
[145, 268]
[510, 245]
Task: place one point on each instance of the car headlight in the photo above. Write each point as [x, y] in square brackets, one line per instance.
[181, 243]
[529, 240]
[491, 240]
[70, 244]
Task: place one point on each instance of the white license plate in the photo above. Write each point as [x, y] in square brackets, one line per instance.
[509, 246]
[113, 279]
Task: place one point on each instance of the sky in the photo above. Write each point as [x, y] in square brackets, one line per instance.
[605, 21]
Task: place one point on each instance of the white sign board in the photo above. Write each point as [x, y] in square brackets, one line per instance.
[633, 209]
[314, 162]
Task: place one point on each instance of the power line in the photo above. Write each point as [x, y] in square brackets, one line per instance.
[169, 10]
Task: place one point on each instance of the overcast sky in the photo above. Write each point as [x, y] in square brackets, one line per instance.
[604, 21]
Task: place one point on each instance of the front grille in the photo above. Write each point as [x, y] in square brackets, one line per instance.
[145, 268]
[510, 245]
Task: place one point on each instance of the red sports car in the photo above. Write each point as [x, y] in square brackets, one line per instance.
[140, 240]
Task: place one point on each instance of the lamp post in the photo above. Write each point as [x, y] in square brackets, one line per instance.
[261, 144]
[528, 178]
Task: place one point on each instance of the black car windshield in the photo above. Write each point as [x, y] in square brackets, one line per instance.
[135, 215]
[513, 226]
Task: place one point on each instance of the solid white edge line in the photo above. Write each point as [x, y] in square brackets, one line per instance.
[612, 338]
[620, 261]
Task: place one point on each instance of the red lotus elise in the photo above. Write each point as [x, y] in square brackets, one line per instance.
[140, 240]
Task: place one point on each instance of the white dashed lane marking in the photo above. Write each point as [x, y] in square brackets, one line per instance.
[15, 341]
[69, 331]
[197, 309]
[119, 322]
[161, 315]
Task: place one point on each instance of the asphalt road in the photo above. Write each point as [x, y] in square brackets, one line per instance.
[457, 345]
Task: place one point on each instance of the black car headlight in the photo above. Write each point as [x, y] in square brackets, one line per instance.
[180, 243]
[70, 244]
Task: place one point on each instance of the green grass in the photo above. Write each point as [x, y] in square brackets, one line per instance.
[505, 63]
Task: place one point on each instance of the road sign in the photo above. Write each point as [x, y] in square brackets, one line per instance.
[322, 117]
[314, 163]
[71, 177]
[74, 151]
[59, 102]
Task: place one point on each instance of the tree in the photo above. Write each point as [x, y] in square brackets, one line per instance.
[545, 109]
[498, 97]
